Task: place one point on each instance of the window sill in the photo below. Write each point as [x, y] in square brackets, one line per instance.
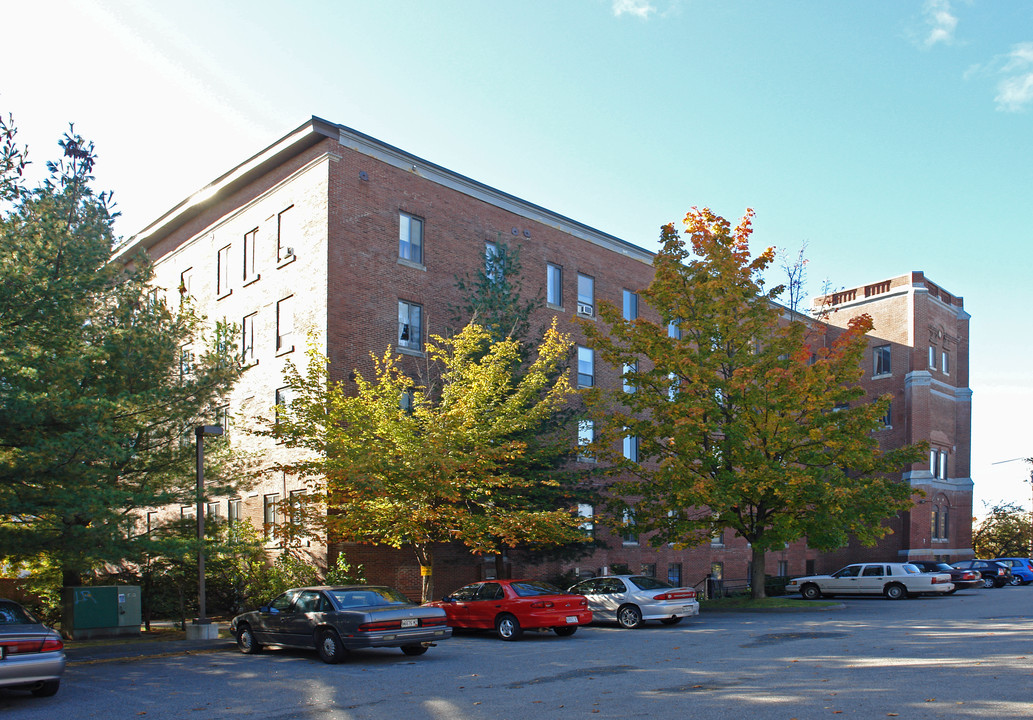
[249, 363]
[252, 280]
[558, 308]
[412, 352]
[283, 262]
[412, 263]
[629, 543]
[285, 351]
[225, 295]
[882, 375]
[582, 316]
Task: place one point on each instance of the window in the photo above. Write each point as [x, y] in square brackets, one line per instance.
[554, 285]
[945, 526]
[932, 358]
[270, 516]
[285, 325]
[587, 512]
[887, 419]
[717, 571]
[672, 388]
[881, 357]
[222, 281]
[631, 447]
[410, 238]
[222, 418]
[629, 536]
[585, 366]
[718, 538]
[187, 511]
[585, 437]
[943, 465]
[409, 324]
[234, 510]
[934, 522]
[152, 298]
[945, 365]
[629, 369]
[152, 520]
[186, 279]
[281, 403]
[492, 262]
[585, 295]
[938, 463]
[783, 568]
[286, 234]
[674, 574]
[630, 305]
[250, 264]
[296, 516]
[649, 570]
[211, 510]
[186, 362]
[674, 330]
[247, 340]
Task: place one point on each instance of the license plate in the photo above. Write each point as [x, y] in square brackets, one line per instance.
[411, 622]
[572, 619]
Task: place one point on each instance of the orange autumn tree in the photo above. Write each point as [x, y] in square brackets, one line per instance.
[746, 417]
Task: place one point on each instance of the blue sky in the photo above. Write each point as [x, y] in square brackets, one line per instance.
[889, 135]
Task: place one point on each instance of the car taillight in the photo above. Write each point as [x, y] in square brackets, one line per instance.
[542, 604]
[938, 579]
[32, 646]
[433, 622]
[377, 626]
[679, 595]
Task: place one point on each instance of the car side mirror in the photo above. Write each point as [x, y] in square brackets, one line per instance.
[448, 599]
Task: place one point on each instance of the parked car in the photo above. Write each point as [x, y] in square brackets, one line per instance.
[1021, 569]
[894, 580]
[334, 620]
[962, 579]
[32, 655]
[633, 599]
[512, 606]
[995, 574]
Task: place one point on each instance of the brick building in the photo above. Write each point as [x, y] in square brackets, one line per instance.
[332, 236]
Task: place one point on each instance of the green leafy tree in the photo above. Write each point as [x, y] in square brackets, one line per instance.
[399, 466]
[96, 391]
[745, 419]
[1004, 532]
[493, 296]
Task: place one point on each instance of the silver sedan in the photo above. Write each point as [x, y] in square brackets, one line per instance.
[31, 654]
[633, 599]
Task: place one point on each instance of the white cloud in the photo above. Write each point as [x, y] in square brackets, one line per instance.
[941, 22]
[1015, 90]
[639, 8]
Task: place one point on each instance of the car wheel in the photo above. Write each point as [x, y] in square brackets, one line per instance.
[508, 627]
[989, 582]
[1015, 580]
[565, 631]
[810, 591]
[246, 642]
[629, 616]
[895, 591]
[331, 649]
[671, 621]
[414, 649]
[47, 688]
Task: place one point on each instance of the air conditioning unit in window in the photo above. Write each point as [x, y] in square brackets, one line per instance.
[290, 251]
[585, 309]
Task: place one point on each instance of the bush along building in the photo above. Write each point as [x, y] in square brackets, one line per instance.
[333, 239]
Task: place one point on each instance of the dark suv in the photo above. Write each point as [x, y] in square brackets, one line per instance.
[995, 574]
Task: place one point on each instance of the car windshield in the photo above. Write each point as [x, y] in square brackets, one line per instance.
[368, 597]
[530, 588]
[944, 566]
[14, 614]
[649, 583]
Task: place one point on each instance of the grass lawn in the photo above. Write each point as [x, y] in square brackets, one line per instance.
[743, 602]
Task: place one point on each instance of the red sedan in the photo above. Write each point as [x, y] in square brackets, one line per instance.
[512, 606]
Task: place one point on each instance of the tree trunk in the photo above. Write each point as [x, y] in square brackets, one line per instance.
[759, 575]
[70, 577]
[500, 566]
[425, 556]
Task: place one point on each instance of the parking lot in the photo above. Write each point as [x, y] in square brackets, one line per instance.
[965, 655]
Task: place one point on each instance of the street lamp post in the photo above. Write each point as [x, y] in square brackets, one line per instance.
[202, 626]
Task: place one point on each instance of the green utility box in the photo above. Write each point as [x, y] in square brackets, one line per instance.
[100, 611]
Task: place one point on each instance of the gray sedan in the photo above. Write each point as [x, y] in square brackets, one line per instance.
[633, 599]
[334, 620]
[31, 654]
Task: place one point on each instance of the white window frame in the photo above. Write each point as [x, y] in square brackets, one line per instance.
[585, 366]
[410, 238]
[408, 325]
[630, 310]
[554, 284]
[585, 295]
